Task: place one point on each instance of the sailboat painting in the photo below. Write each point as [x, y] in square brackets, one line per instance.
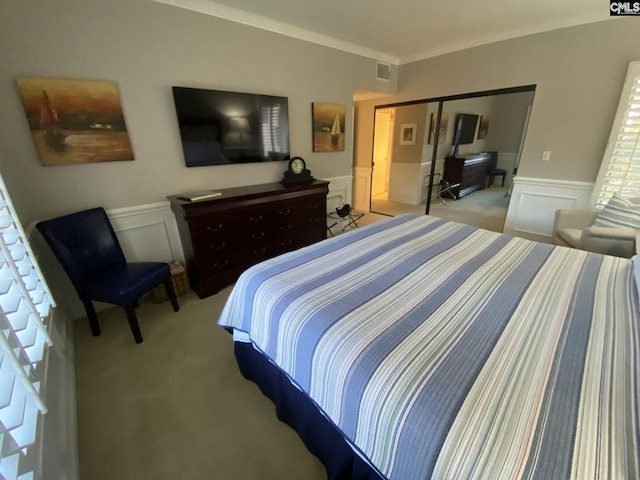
[75, 121]
[328, 127]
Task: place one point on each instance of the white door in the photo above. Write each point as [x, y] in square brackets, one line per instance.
[380, 167]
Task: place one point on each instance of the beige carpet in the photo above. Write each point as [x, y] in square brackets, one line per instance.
[176, 406]
[483, 208]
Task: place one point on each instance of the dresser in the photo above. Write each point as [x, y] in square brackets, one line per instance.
[469, 171]
[225, 235]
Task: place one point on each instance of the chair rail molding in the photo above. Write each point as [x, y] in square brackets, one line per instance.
[534, 202]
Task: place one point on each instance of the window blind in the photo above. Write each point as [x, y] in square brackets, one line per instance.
[620, 168]
[272, 137]
[25, 315]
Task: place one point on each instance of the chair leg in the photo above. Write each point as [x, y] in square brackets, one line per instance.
[92, 316]
[503, 180]
[168, 284]
[133, 322]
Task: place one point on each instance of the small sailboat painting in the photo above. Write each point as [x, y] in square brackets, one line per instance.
[75, 121]
[50, 124]
[335, 131]
[328, 127]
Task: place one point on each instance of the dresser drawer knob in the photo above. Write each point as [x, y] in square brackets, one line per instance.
[284, 212]
[256, 219]
[214, 228]
[286, 243]
[260, 251]
[221, 263]
[257, 236]
[285, 228]
[218, 246]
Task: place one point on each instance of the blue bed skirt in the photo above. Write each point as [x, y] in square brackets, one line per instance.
[293, 407]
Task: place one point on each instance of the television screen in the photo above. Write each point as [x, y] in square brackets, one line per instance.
[221, 128]
[465, 130]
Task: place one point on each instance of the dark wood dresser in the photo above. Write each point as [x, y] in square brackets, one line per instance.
[470, 171]
[225, 235]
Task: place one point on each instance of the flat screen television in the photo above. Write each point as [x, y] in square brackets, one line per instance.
[222, 128]
[465, 130]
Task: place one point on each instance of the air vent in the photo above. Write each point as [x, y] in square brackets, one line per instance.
[383, 71]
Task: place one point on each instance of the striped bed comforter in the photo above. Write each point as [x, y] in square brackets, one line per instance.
[444, 351]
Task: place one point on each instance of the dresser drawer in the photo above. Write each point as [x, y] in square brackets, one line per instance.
[226, 235]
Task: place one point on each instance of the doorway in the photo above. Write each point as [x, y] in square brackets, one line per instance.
[381, 153]
[417, 169]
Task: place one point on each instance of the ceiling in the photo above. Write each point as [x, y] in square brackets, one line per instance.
[403, 31]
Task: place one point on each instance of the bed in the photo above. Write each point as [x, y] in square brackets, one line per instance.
[418, 348]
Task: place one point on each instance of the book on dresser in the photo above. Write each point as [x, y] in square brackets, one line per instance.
[224, 235]
[199, 195]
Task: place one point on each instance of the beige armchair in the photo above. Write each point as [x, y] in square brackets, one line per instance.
[572, 228]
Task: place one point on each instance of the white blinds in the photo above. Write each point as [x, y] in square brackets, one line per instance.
[620, 169]
[25, 308]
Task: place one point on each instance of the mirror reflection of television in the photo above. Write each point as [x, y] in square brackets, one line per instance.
[222, 128]
[465, 129]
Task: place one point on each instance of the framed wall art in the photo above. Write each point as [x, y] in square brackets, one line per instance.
[328, 127]
[483, 127]
[444, 123]
[408, 132]
[75, 121]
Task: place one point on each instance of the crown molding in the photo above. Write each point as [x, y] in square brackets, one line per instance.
[258, 21]
[493, 38]
[225, 12]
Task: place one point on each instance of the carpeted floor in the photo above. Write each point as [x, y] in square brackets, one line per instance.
[176, 406]
[483, 208]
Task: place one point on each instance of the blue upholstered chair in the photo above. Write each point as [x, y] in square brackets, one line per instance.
[90, 253]
[493, 170]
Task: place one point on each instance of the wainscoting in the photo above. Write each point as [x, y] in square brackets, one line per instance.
[362, 188]
[408, 182]
[339, 187]
[534, 202]
[405, 183]
[147, 233]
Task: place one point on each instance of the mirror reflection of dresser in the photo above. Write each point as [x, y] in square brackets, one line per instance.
[469, 171]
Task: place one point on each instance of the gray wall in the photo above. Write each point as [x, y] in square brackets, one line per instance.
[507, 121]
[579, 73]
[146, 48]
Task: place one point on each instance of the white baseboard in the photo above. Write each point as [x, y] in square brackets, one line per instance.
[534, 202]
